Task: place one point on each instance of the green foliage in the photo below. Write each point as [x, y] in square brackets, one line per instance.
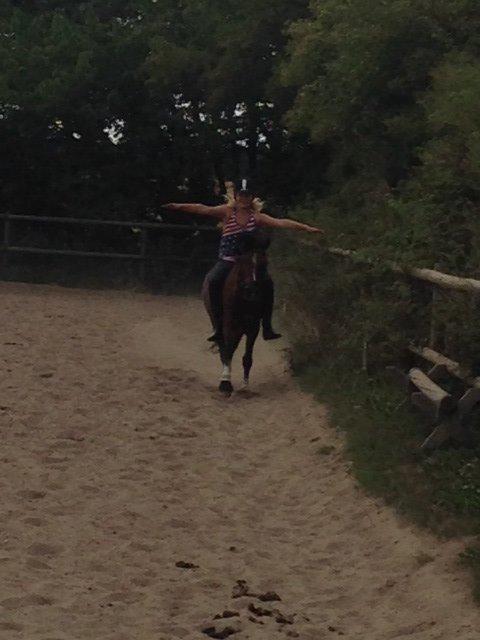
[352, 311]
[441, 492]
[393, 89]
[165, 79]
[370, 105]
[391, 92]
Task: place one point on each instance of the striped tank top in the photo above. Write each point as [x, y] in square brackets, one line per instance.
[233, 236]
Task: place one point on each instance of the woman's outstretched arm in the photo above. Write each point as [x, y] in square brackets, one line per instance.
[285, 223]
[219, 212]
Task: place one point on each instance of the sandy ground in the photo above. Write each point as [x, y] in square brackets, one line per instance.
[119, 460]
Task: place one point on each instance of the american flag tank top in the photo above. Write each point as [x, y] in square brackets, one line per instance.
[233, 235]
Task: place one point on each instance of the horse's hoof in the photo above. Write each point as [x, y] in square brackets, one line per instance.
[226, 387]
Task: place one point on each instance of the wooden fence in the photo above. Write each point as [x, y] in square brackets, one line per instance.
[445, 390]
[8, 246]
[449, 412]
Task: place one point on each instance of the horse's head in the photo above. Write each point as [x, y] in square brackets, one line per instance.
[246, 273]
[247, 244]
[249, 292]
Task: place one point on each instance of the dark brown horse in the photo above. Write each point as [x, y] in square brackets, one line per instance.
[242, 313]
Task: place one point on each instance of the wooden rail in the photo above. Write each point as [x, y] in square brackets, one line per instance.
[143, 227]
[450, 414]
[437, 278]
[137, 224]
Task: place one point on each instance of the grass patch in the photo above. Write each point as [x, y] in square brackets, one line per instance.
[440, 492]
[471, 559]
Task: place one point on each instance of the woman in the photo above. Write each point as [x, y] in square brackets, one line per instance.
[240, 219]
[262, 243]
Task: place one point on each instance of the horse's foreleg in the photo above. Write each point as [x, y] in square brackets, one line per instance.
[227, 349]
[248, 357]
[226, 380]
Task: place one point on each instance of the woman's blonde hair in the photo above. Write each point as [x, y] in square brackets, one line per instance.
[230, 198]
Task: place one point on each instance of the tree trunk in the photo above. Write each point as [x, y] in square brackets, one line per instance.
[252, 140]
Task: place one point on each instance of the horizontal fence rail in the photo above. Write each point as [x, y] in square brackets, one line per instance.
[166, 226]
[438, 278]
[142, 228]
[445, 390]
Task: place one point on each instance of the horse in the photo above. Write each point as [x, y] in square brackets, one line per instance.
[242, 314]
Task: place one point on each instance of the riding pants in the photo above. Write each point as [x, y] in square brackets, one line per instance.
[216, 279]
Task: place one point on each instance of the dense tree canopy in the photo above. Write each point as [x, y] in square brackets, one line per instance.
[391, 89]
[364, 111]
[115, 106]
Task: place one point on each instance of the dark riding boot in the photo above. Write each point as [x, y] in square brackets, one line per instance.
[268, 299]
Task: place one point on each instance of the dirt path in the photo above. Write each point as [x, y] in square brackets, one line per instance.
[119, 460]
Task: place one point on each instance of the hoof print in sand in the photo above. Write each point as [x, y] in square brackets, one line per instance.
[186, 565]
[335, 630]
[227, 614]
[258, 611]
[281, 619]
[241, 590]
[213, 632]
[46, 550]
[270, 596]
[32, 494]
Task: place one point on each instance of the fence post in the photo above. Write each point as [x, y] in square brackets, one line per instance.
[432, 340]
[6, 240]
[143, 253]
[365, 297]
